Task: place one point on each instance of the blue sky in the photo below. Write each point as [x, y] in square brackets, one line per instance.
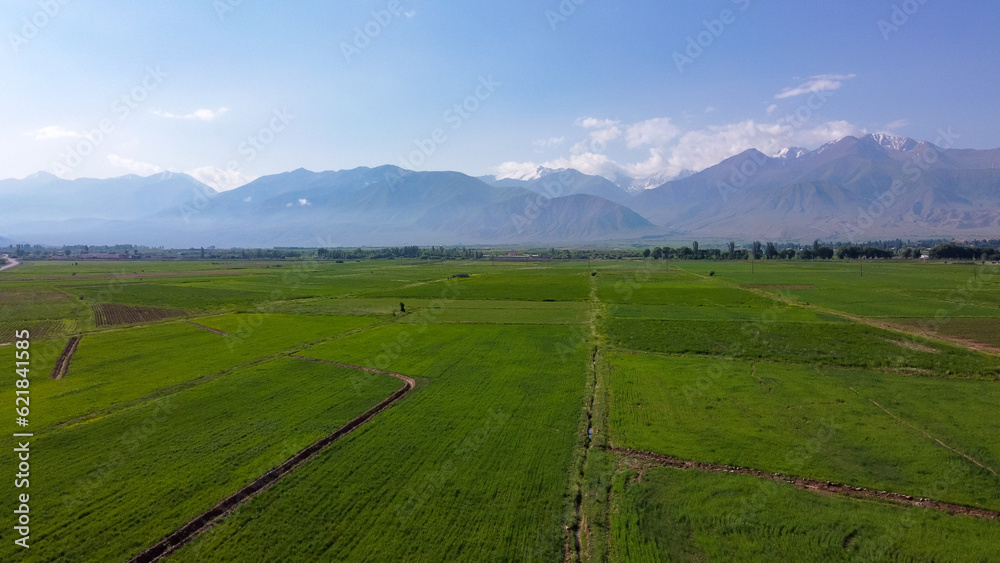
[230, 90]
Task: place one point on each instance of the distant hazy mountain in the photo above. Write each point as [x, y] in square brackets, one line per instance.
[364, 206]
[877, 186]
[44, 197]
[639, 185]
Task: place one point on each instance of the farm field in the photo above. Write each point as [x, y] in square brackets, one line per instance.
[545, 394]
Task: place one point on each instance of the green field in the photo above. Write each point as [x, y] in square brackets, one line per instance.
[531, 380]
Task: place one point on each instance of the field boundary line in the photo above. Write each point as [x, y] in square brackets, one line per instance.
[924, 432]
[884, 325]
[892, 327]
[208, 377]
[208, 328]
[206, 520]
[813, 485]
[62, 363]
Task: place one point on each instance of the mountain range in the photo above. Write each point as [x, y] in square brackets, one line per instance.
[877, 186]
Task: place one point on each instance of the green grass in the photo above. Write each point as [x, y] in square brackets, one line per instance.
[816, 343]
[819, 424]
[673, 515]
[116, 485]
[758, 365]
[472, 466]
[539, 284]
[111, 369]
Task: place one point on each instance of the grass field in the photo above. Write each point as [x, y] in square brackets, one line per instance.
[527, 375]
[673, 515]
[163, 461]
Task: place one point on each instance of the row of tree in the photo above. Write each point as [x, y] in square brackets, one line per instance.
[770, 251]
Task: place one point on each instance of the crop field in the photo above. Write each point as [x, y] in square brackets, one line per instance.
[111, 314]
[562, 411]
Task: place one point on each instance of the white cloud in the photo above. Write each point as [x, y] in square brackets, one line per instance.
[304, 202]
[818, 83]
[550, 142]
[710, 109]
[134, 166]
[219, 179]
[595, 123]
[772, 108]
[517, 170]
[670, 151]
[896, 125]
[656, 132]
[201, 114]
[601, 131]
[697, 150]
[56, 132]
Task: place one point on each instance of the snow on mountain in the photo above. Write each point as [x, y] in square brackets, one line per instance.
[638, 185]
[894, 143]
[792, 153]
[526, 174]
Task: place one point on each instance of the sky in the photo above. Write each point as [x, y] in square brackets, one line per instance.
[230, 90]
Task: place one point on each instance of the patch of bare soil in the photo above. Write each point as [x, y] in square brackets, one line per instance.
[62, 363]
[111, 314]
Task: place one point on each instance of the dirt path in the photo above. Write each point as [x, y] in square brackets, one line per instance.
[203, 522]
[209, 329]
[884, 325]
[62, 364]
[11, 263]
[824, 487]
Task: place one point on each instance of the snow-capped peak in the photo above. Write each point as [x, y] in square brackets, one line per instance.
[893, 142]
[526, 174]
[792, 153]
[636, 185]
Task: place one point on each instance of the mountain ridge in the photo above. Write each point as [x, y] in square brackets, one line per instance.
[873, 186]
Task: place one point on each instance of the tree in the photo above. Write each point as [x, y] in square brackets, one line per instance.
[657, 253]
[825, 252]
[851, 252]
[694, 250]
[757, 252]
[816, 247]
[732, 250]
[646, 253]
[771, 251]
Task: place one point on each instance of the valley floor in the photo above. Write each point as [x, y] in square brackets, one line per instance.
[628, 411]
